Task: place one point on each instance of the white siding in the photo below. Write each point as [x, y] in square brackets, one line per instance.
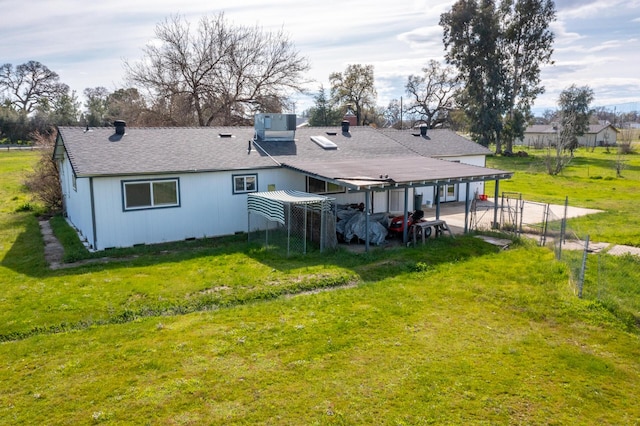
[474, 160]
[606, 136]
[77, 201]
[208, 208]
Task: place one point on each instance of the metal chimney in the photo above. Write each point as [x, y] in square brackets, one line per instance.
[120, 125]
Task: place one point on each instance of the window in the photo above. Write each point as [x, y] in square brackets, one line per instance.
[150, 194]
[245, 183]
[317, 186]
[396, 200]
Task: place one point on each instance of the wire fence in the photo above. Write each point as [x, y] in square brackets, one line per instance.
[598, 271]
[605, 273]
[306, 228]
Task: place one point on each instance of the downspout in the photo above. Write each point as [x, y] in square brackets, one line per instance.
[93, 215]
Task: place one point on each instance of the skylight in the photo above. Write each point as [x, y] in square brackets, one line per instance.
[324, 142]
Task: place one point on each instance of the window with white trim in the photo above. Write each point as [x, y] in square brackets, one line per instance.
[150, 194]
[245, 183]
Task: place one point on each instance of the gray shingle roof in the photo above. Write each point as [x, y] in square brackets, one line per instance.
[364, 152]
[100, 151]
[437, 143]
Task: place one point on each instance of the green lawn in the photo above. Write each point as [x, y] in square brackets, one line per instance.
[219, 332]
[589, 181]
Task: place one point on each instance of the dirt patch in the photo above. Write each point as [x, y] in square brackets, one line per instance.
[53, 250]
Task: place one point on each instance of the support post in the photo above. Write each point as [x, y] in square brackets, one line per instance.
[366, 220]
[495, 205]
[438, 202]
[322, 226]
[466, 208]
[406, 216]
[304, 240]
[288, 229]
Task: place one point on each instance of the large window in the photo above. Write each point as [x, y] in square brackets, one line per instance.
[245, 183]
[317, 186]
[149, 194]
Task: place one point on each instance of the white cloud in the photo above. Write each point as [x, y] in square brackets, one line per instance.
[597, 41]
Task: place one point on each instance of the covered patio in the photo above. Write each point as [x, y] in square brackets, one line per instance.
[382, 175]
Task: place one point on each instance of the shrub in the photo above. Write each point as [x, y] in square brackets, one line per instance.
[44, 180]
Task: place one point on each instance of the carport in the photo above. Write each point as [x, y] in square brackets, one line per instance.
[382, 175]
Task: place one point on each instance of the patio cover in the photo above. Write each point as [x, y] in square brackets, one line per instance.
[362, 174]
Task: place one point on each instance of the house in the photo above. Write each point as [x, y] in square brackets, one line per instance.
[543, 135]
[124, 186]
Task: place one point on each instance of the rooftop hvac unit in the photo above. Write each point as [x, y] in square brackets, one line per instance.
[275, 126]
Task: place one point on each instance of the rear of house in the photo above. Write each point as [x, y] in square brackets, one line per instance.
[127, 186]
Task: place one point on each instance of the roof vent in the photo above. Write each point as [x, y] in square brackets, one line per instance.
[423, 130]
[120, 125]
[345, 126]
[225, 135]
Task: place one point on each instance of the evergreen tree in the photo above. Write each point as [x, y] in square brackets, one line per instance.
[323, 113]
[498, 52]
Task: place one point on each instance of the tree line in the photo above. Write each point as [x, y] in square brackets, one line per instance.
[215, 73]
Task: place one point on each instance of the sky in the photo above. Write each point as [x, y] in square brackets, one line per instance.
[597, 42]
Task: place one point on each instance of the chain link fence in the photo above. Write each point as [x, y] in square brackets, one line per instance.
[606, 273]
[598, 271]
[306, 228]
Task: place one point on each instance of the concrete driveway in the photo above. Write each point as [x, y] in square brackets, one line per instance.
[533, 214]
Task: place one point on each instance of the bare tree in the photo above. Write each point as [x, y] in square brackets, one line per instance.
[557, 156]
[433, 93]
[226, 72]
[29, 85]
[393, 114]
[354, 89]
[44, 180]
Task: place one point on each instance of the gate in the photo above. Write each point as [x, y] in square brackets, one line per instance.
[519, 216]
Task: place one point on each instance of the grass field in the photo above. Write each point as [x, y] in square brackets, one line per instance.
[219, 332]
[590, 181]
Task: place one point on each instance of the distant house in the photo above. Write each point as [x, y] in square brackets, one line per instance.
[542, 135]
[124, 186]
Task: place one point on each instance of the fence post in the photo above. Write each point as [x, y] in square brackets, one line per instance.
[521, 204]
[563, 227]
[545, 223]
[583, 268]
